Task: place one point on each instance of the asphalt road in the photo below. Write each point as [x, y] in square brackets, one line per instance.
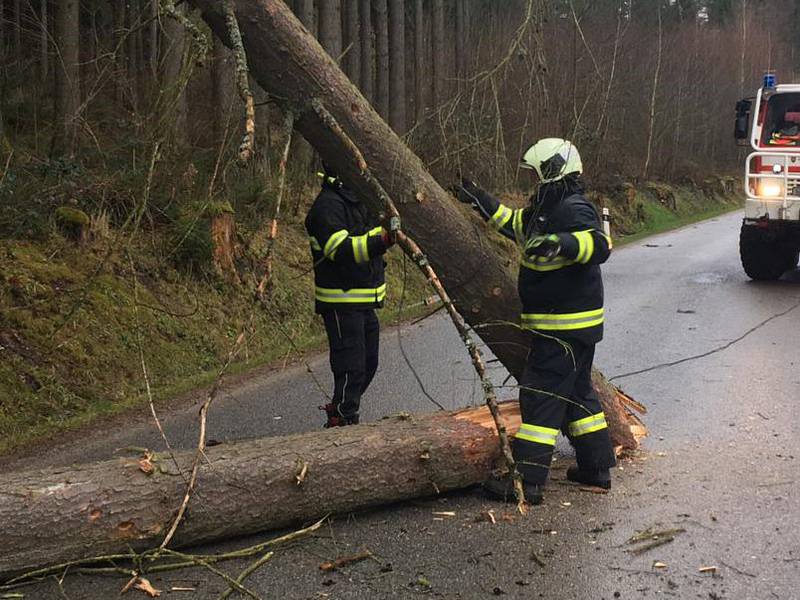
[721, 465]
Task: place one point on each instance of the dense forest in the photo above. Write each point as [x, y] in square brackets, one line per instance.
[644, 86]
[140, 165]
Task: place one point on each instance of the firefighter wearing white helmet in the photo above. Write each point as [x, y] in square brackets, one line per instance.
[562, 244]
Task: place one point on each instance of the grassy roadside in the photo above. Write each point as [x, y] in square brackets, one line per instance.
[73, 317]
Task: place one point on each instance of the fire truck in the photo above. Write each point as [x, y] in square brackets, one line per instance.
[769, 242]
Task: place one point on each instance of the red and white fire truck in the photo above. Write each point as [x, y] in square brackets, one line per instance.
[769, 242]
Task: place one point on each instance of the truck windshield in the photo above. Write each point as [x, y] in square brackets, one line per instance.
[782, 121]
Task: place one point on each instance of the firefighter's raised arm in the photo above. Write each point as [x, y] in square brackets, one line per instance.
[506, 220]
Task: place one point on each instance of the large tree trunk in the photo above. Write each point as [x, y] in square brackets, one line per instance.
[68, 85]
[52, 516]
[292, 66]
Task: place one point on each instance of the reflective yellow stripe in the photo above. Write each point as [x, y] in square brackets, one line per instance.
[351, 296]
[562, 322]
[517, 226]
[588, 425]
[315, 244]
[539, 263]
[334, 242]
[501, 216]
[537, 434]
[608, 239]
[585, 246]
[360, 249]
[375, 231]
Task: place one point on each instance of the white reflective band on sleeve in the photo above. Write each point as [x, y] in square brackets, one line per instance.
[562, 322]
[334, 242]
[588, 425]
[537, 434]
[501, 217]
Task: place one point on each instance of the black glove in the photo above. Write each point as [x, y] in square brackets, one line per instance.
[546, 246]
[467, 192]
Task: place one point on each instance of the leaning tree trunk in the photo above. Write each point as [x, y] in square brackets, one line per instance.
[287, 62]
[52, 516]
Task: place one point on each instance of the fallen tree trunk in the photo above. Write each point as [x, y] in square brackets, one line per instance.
[53, 516]
[290, 64]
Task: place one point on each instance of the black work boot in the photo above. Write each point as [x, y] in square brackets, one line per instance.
[502, 488]
[594, 477]
[334, 418]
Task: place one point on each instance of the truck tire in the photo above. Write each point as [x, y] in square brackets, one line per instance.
[763, 258]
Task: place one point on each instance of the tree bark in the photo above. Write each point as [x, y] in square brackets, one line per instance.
[18, 33]
[397, 66]
[153, 38]
[305, 12]
[461, 55]
[175, 44]
[381, 26]
[222, 83]
[439, 61]
[44, 41]
[367, 51]
[474, 270]
[352, 57]
[68, 87]
[330, 27]
[118, 47]
[419, 62]
[56, 515]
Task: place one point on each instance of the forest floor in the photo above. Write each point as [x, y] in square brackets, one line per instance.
[86, 329]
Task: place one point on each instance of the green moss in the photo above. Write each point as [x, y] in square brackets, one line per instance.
[69, 215]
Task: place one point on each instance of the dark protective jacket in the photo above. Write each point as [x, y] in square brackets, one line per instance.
[347, 249]
[562, 297]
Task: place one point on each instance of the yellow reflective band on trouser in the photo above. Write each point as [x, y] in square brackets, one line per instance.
[501, 217]
[540, 263]
[517, 226]
[360, 250]
[315, 244]
[562, 322]
[334, 242]
[585, 246]
[588, 425]
[351, 296]
[535, 433]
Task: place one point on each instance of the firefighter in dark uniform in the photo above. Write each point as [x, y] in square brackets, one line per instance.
[347, 247]
[562, 245]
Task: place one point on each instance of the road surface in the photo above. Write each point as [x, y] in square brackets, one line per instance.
[715, 358]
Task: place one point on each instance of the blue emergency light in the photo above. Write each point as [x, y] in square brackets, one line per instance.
[769, 81]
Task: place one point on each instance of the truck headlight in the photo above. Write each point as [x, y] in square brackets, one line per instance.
[770, 188]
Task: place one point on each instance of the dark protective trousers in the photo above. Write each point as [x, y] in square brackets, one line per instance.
[556, 394]
[353, 340]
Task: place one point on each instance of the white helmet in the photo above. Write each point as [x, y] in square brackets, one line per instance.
[552, 158]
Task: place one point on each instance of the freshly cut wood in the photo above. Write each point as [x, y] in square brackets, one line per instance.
[293, 67]
[51, 516]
